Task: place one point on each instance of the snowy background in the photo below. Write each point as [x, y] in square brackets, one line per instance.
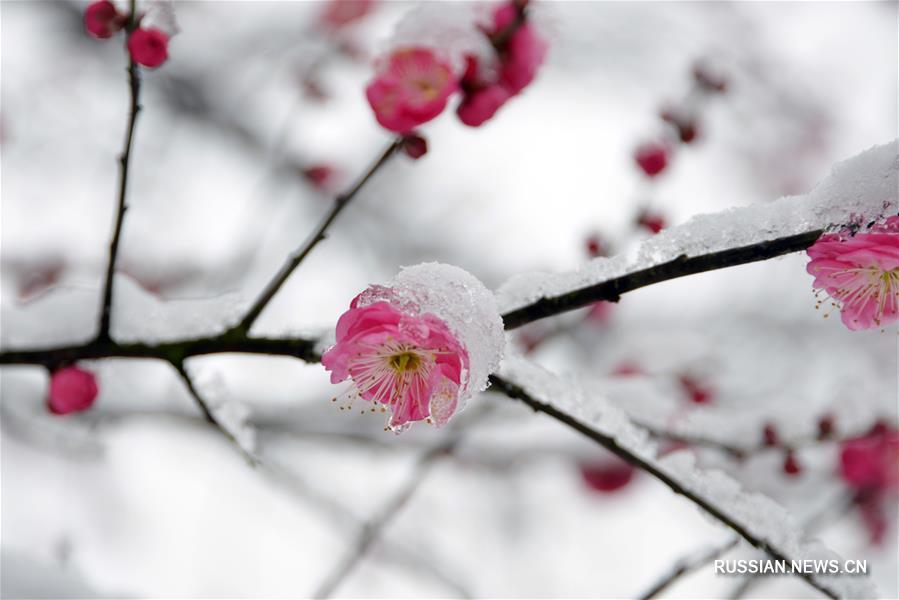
[140, 497]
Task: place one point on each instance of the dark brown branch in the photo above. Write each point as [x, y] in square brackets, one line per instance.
[124, 163]
[517, 392]
[173, 352]
[210, 416]
[317, 236]
[612, 289]
[373, 528]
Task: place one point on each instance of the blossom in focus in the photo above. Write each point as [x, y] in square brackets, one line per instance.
[72, 390]
[148, 47]
[102, 20]
[339, 13]
[418, 347]
[860, 272]
[412, 87]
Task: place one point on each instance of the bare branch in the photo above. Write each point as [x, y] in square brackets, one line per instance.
[373, 528]
[210, 416]
[685, 566]
[341, 202]
[124, 163]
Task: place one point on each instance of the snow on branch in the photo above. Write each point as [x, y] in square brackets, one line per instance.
[756, 518]
[857, 191]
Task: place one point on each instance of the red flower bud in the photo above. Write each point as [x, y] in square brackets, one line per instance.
[71, 390]
[102, 20]
[148, 47]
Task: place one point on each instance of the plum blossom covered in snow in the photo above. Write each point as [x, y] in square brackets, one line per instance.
[860, 270]
[488, 63]
[419, 346]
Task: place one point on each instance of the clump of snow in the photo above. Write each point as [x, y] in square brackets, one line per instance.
[465, 305]
[140, 316]
[861, 189]
[450, 26]
[764, 518]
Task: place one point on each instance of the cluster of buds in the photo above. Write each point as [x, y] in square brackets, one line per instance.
[414, 83]
[681, 120]
[147, 46]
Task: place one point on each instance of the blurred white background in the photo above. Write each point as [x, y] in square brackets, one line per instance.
[140, 497]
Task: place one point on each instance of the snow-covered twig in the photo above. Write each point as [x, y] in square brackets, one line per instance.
[858, 190]
[774, 534]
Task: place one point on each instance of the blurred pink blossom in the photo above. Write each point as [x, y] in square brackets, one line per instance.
[411, 88]
[148, 47]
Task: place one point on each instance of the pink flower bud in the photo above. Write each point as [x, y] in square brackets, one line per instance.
[791, 466]
[479, 106]
[320, 175]
[71, 390]
[595, 246]
[697, 391]
[148, 47]
[825, 426]
[609, 475]
[652, 222]
[415, 146]
[769, 435]
[652, 158]
[102, 20]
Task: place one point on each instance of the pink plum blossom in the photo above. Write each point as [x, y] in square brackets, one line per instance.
[72, 390]
[102, 20]
[520, 51]
[411, 88]
[860, 272]
[148, 47]
[411, 364]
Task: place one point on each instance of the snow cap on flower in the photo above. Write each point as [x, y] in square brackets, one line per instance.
[419, 346]
[72, 390]
[411, 87]
[102, 20]
[860, 272]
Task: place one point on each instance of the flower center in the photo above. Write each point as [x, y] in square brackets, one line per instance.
[405, 361]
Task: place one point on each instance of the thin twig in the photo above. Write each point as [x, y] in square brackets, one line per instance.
[517, 392]
[124, 163]
[686, 566]
[210, 416]
[317, 236]
[612, 289]
[373, 528]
